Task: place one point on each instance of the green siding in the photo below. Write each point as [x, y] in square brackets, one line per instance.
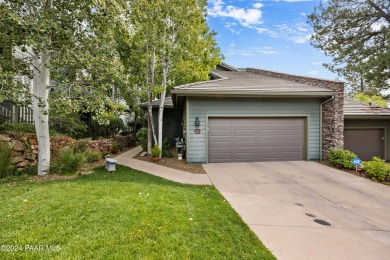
[372, 123]
[203, 107]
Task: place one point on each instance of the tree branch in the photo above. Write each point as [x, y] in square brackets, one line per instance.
[379, 10]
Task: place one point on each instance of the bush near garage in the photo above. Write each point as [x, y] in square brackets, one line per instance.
[377, 169]
[341, 158]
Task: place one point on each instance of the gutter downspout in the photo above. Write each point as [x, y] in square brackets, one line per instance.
[323, 103]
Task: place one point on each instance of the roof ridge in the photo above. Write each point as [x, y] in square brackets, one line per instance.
[232, 68]
[291, 74]
[201, 82]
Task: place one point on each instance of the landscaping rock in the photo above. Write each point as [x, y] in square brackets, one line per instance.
[23, 164]
[33, 141]
[17, 159]
[4, 138]
[25, 146]
[17, 145]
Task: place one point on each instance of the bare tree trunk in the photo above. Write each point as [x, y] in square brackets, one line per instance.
[161, 108]
[41, 80]
[151, 132]
[152, 69]
[149, 145]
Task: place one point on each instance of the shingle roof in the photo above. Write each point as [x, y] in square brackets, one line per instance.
[354, 108]
[156, 103]
[244, 81]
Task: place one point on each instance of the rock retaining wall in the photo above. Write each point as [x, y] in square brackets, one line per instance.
[25, 146]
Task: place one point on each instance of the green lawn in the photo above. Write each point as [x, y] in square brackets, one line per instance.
[124, 215]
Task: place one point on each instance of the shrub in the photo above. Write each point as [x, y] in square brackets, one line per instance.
[69, 125]
[18, 127]
[129, 141]
[166, 149]
[28, 171]
[377, 169]
[69, 162]
[156, 151]
[4, 118]
[142, 138]
[22, 127]
[341, 158]
[80, 146]
[6, 166]
[105, 153]
[93, 156]
[115, 125]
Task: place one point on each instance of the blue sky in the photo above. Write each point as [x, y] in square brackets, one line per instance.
[268, 34]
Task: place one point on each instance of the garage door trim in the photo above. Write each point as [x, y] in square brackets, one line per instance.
[306, 119]
[373, 127]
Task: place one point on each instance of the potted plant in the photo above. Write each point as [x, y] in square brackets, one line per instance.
[156, 151]
[114, 147]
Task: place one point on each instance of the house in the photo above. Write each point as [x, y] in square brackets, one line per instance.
[257, 115]
[367, 130]
[173, 119]
[11, 113]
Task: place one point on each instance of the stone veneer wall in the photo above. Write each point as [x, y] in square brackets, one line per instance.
[25, 146]
[332, 112]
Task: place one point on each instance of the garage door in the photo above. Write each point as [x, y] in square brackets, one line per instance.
[366, 143]
[256, 139]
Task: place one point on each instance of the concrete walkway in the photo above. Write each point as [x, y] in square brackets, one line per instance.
[127, 159]
[305, 210]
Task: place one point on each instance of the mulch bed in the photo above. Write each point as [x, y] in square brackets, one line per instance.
[174, 163]
[359, 173]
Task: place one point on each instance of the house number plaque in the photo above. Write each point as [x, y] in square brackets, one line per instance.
[197, 131]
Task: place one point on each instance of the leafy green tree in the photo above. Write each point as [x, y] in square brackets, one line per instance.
[65, 45]
[186, 44]
[357, 35]
[373, 99]
[172, 45]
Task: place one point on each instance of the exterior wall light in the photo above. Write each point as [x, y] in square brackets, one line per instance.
[197, 122]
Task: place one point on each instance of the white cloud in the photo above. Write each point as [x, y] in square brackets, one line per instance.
[246, 17]
[293, 1]
[237, 17]
[300, 39]
[317, 63]
[258, 5]
[302, 29]
[313, 73]
[297, 32]
[231, 26]
[265, 50]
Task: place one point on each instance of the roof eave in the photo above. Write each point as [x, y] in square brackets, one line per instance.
[366, 116]
[247, 93]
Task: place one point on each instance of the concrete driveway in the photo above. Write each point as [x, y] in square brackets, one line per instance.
[287, 204]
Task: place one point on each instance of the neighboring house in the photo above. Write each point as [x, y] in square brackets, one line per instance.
[256, 115]
[367, 130]
[16, 114]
